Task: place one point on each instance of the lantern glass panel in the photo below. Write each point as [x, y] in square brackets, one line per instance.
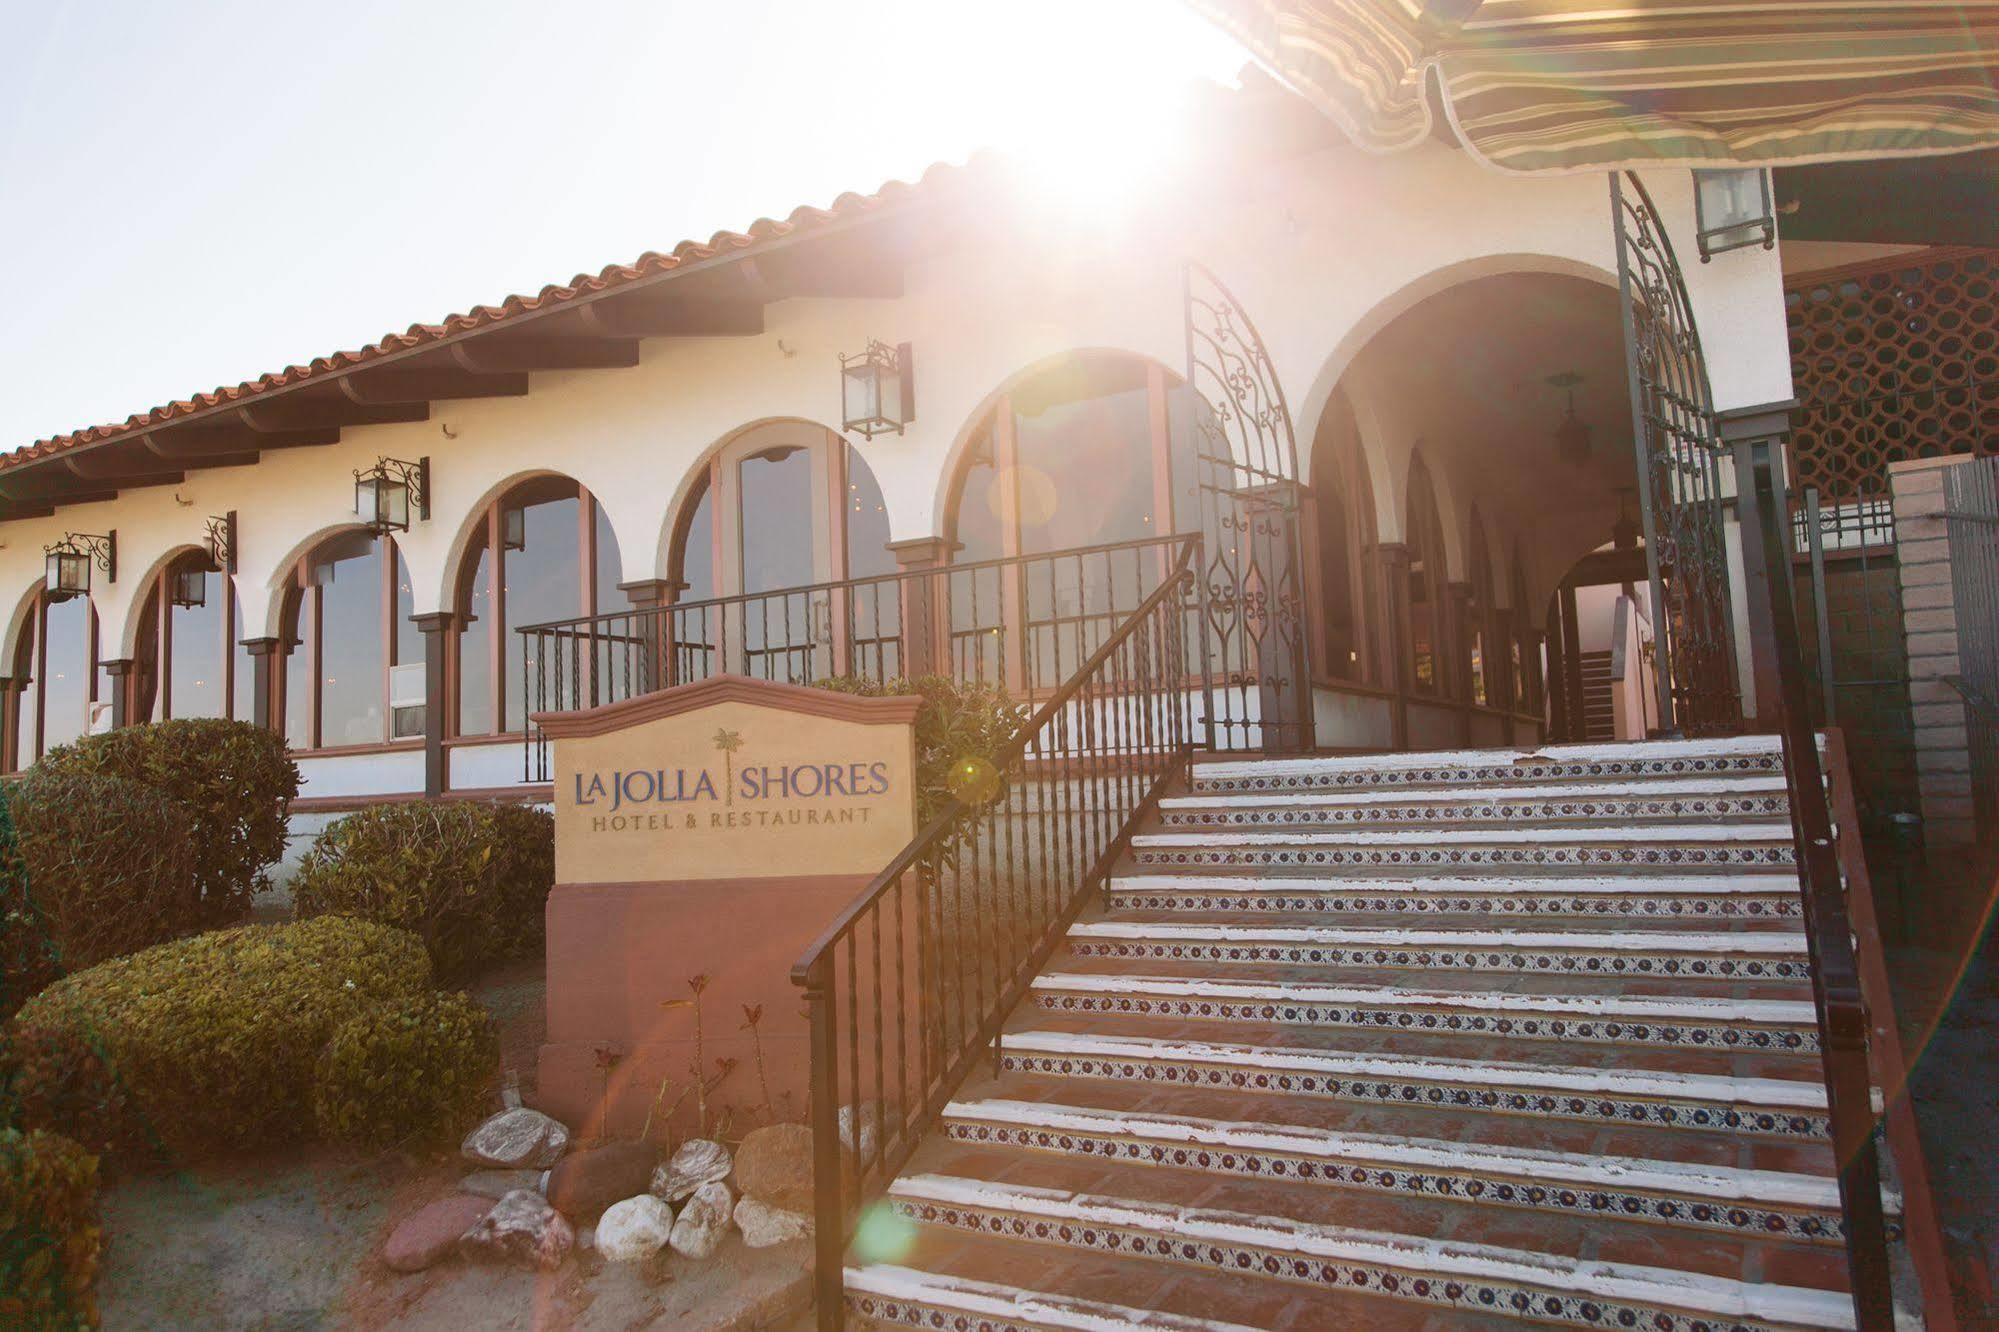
[888, 400]
[1732, 208]
[861, 382]
[68, 574]
[190, 587]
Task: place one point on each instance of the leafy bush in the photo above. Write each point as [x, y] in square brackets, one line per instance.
[49, 1232]
[961, 729]
[470, 879]
[109, 870]
[206, 1043]
[413, 1072]
[235, 781]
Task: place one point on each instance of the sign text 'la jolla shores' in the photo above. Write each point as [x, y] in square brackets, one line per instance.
[752, 795]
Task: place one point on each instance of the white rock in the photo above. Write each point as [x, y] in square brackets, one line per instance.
[517, 1140]
[698, 1162]
[870, 1116]
[522, 1230]
[634, 1229]
[704, 1221]
[763, 1225]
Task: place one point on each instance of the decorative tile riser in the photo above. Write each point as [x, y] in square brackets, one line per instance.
[1483, 1296]
[1597, 1031]
[1526, 962]
[1361, 780]
[1775, 906]
[1775, 806]
[1660, 1113]
[1743, 1218]
[873, 1310]
[1460, 857]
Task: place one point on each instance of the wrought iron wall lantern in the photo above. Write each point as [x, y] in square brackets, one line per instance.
[188, 587]
[69, 562]
[1571, 435]
[386, 494]
[1732, 210]
[877, 389]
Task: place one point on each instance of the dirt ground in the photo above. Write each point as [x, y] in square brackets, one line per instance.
[293, 1241]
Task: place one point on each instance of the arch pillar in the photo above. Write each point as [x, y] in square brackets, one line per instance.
[926, 648]
[265, 653]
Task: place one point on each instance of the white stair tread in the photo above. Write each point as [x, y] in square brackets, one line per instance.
[1725, 747]
[1800, 1094]
[1623, 1172]
[1705, 786]
[1657, 1286]
[986, 1299]
[1652, 1008]
[1784, 943]
[1748, 830]
[1567, 886]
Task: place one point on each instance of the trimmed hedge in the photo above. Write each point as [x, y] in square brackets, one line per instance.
[109, 870]
[469, 878]
[236, 782]
[960, 729]
[50, 1236]
[202, 1044]
[416, 1072]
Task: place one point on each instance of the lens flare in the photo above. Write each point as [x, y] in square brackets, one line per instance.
[882, 1236]
[973, 781]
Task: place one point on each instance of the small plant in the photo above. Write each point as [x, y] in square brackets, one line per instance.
[962, 729]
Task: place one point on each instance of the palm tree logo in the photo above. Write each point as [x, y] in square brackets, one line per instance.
[728, 742]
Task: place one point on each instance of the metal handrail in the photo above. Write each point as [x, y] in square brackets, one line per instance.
[1119, 730]
[1836, 988]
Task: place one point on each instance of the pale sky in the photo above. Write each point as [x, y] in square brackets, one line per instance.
[194, 194]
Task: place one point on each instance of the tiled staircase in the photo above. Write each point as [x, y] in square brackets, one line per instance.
[1439, 1041]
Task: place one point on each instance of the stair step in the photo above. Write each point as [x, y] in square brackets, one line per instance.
[1765, 1203]
[1735, 955]
[902, 1295]
[1742, 755]
[1631, 896]
[1443, 1274]
[1750, 1025]
[1758, 797]
[1791, 1108]
[1764, 845]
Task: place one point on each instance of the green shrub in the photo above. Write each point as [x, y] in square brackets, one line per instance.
[49, 1232]
[961, 729]
[202, 1044]
[414, 1072]
[109, 870]
[235, 780]
[469, 878]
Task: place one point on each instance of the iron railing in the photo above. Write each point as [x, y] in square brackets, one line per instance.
[1023, 624]
[1836, 991]
[909, 986]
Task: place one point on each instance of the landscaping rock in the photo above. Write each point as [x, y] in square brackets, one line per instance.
[583, 1184]
[517, 1140]
[763, 1225]
[522, 1230]
[635, 1229]
[868, 1142]
[774, 1166]
[497, 1184]
[704, 1221]
[698, 1162]
[433, 1231]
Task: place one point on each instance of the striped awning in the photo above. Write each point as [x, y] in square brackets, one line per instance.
[1569, 85]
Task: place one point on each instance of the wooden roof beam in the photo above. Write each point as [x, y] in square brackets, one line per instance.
[291, 413]
[387, 387]
[199, 445]
[635, 318]
[125, 469]
[486, 356]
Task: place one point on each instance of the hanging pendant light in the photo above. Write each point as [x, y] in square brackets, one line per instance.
[1571, 435]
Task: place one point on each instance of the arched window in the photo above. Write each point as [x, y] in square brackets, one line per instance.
[1478, 613]
[57, 655]
[1426, 580]
[345, 627]
[542, 551]
[782, 505]
[191, 660]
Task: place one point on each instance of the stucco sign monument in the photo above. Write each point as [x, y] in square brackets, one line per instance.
[704, 835]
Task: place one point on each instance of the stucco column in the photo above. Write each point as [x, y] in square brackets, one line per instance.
[1499, 684]
[1574, 706]
[264, 657]
[1533, 644]
[1554, 689]
[652, 596]
[436, 628]
[1457, 635]
[10, 722]
[120, 671]
[1743, 431]
[1393, 556]
[926, 606]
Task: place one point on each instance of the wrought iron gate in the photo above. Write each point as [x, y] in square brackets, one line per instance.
[1679, 472]
[1246, 472]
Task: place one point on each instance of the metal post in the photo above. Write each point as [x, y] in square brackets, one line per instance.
[1815, 542]
[829, 1211]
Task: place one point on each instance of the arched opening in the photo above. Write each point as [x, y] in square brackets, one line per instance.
[542, 550]
[189, 655]
[66, 691]
[345, 627]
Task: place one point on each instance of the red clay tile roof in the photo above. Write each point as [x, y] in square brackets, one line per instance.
[652, 264]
